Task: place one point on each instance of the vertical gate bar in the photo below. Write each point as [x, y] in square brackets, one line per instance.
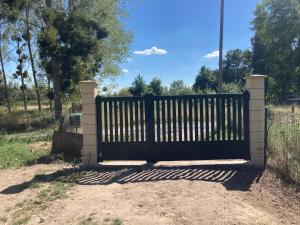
[131, 121]
[163, 120]
[158, 131]
[201, 119]
[239, 118]
[196, 119]
[228, 118]
[246, 97]
[174, 120]
[169, 119]
[137, 122]
[149, 114]
[206, 120]
[180, 118]
[126, 122]
[234, 118]
[116, 111]
[218, 117]
[223, 119]
[191, 118]
[121, 121]
[212, 112]
[142, 119]
[105, 120]
[185, 118]
[99, 126]
[111, 136]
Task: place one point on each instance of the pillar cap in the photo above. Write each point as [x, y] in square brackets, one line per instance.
[256, 76]
[89, 82]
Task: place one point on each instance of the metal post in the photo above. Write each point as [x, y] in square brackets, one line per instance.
[220, 75]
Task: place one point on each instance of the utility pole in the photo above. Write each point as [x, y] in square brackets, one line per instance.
[220, 75]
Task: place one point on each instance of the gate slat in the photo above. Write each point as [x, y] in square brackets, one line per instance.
[169, 119]
[110, 122]
[105, 121]
[137, 121]
[201, 119]
[142, 121]
[212, 113]
[174, 120]
[180, 118]
[218, 118]
[163, 120]
[206, 120]
[185, 118]
[158, 131]
[196, 119]
[223, 119]
[239, 118]
[121, 121]
[116, 107]
[234, 118]
[126, 122]
[228, 119]
[131, 122]
[191, 118]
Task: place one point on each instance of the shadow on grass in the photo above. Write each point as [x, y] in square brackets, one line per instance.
[232, 177]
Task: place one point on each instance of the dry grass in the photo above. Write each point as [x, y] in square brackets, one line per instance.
[284, 141]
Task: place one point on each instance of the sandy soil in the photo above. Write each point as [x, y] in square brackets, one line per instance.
[167, 193]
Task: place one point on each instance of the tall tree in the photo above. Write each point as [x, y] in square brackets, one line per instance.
[4, 37]
[237, 65]
[138, 86]
[155, 86]
[178, 87]
[275, 45]
[20, 73]
[206, 79]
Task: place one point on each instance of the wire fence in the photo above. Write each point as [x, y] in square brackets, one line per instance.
[284, 140]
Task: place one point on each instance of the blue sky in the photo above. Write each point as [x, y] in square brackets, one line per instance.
[172, 39]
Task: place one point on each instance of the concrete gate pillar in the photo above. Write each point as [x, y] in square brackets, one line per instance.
[255, 84]
[89, 90]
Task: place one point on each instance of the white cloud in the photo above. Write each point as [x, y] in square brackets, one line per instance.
[152, 51]
[125, 70]
[213, 54]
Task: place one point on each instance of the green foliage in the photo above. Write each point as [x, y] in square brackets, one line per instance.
[138, 86]
[276, 45]
[205, 79]
[178, 87]
[237, 65]
[155, 87]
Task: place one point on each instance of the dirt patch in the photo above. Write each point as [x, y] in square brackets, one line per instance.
[164, 194]
[39, 146]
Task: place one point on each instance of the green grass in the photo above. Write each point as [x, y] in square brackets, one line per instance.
[15, 153]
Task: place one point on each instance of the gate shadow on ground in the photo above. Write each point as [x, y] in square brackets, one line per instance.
[232, 177]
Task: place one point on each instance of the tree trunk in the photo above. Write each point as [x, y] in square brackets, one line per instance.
[24, 93]
[57, 91]
[4, 79]
[49, 89]
[32, 64]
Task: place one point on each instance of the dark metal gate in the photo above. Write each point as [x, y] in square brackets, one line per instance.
[163, 128]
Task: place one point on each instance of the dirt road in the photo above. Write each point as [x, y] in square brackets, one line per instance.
[170, 194]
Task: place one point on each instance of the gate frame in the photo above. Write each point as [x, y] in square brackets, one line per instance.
[255, 84]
